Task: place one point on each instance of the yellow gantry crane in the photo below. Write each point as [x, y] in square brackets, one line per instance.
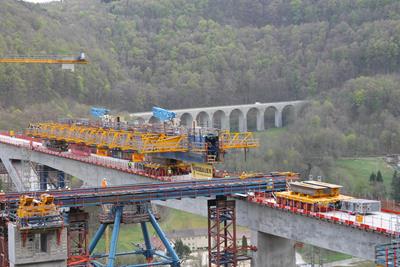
[66, 61]
[143, 143]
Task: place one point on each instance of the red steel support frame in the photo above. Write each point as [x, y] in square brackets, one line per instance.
[222, 246]
[3, 243]
[78, 246]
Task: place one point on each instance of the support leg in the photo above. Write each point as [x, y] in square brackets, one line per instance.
[164, 239]
[149, 249]
[273, 251]
[114, 237]
[97, 237]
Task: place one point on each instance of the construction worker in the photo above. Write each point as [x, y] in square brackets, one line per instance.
[104, 183]
[130, 165]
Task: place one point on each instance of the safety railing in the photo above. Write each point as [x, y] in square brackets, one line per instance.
[108, 162]
[230, 140]
[381, 223]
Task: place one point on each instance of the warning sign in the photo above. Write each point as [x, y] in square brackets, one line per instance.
[200, 170]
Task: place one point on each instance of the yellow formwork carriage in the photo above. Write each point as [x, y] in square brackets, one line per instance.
[313, 192]
[133, 141]
[29, 206]
[293, 196]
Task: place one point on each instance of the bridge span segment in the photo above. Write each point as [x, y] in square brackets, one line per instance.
[274, 230]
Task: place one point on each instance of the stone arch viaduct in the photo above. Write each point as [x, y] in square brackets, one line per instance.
[254, 117]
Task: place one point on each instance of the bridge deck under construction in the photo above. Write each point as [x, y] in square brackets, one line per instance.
[155, 191]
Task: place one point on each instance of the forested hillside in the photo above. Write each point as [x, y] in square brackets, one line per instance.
[184, 53]
[343, 55]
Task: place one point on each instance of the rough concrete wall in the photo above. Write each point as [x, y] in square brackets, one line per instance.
[30, 254]
[43, 264]
[336, 237]
[91, 174]
[272, 251]
[341, 238]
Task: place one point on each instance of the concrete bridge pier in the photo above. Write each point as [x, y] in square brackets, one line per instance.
[273, 251]
[278, 119]
[260, 122]
[242, 124]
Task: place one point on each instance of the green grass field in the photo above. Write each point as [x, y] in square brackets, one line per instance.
[354, 173]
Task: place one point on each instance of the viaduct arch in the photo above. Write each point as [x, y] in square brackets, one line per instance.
[248, 117]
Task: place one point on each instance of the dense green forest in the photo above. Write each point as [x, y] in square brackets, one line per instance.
[184, 53]
[342, 55]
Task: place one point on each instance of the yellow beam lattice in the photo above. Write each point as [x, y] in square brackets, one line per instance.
[143, 143]
[230, 140]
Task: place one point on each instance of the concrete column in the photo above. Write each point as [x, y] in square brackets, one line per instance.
[273, 251]
[225, 123]
[278, 118]
[243, 125]
[260, 121]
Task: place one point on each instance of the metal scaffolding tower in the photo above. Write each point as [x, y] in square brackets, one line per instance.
[222, 246]
[78, 245]
[388, 255]
[3, 243]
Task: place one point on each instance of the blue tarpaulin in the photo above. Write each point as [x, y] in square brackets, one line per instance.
[98, 112]
[163, 114]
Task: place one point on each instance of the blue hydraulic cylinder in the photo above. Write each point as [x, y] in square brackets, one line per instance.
[149, 250]
[97, 237]
[114, 237]
[164, 239]
[61, 179]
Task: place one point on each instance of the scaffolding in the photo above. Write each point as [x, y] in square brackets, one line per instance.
[388, 255]
[3, 243]
[78, 245]
[222, 247]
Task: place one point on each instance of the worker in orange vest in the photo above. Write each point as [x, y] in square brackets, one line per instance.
[104, 183]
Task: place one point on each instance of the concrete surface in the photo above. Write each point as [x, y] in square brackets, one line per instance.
[336, 237]
[31, 253]
[90, 174]
[273, 251]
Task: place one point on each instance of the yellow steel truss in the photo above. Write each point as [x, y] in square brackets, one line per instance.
[228, 140]
[143, 143]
